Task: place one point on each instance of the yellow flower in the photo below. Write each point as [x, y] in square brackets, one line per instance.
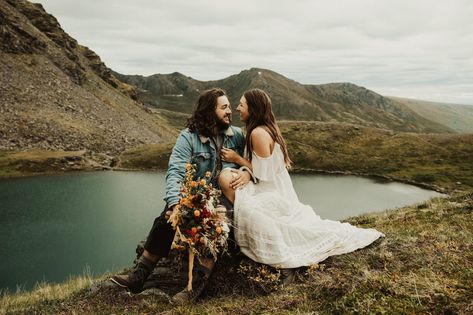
[188, 166]
[203, 182]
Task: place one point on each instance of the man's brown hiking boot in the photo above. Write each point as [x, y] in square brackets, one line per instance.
[135, 280]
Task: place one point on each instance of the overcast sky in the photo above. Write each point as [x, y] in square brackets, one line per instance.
[409, 48]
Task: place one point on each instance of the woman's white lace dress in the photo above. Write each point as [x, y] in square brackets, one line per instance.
[274, 228]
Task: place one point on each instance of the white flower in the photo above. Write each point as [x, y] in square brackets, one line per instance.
[225, 227]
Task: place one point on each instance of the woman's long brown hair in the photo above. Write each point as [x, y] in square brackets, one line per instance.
[261, 114]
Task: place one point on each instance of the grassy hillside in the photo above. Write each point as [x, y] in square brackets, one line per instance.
[454, 116]
[424, 265]
[442, 160]
[431, 160]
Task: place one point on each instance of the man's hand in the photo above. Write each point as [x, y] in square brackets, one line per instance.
[240, 178]
[169, 212]
[228, 155]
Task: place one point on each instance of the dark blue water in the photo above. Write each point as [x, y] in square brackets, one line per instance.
[52, 227]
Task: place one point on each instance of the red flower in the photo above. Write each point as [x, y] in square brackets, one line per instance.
[190, 233]
[205, 213]
[197, 199]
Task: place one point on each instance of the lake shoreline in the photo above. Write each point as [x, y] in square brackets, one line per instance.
[49, 169]
[295, 170]
[383, 178]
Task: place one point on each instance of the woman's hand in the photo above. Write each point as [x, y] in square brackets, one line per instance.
[230, 156]
[240, 178]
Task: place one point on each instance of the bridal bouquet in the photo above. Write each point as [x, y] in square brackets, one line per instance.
[200, 224]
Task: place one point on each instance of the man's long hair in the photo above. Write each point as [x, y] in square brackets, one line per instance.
[203, 120]
[261, 114]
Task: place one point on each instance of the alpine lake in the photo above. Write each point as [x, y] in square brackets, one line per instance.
[55, 227]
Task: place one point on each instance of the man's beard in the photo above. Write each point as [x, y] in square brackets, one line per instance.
[221, 124]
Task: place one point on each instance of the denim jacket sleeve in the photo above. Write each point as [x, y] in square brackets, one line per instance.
[180, 156]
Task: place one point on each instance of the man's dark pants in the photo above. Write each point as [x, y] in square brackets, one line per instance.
[160, 236]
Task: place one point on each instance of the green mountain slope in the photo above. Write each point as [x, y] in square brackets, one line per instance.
[454, 116]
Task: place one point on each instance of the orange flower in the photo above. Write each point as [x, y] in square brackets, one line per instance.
[186, 202]
[203, 182]
[218, 229]
[196, 213]
[194, 230]
[193, 184]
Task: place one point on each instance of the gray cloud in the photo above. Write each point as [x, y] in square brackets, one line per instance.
[421, 49]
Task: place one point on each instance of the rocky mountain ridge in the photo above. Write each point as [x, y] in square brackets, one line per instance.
[333, 102]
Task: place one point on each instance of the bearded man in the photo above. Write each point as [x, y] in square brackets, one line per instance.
[208, 131]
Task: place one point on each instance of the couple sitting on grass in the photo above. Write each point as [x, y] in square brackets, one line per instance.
[271, 226]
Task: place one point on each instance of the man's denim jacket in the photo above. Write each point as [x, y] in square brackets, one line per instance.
[193, 148]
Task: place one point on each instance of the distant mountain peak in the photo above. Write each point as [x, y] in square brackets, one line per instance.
[178, 74]
[260, 71]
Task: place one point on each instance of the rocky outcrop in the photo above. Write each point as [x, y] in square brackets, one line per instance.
[58, 95]
[105, 73]
[22, 41]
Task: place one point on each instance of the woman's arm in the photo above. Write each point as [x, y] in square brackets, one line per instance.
[262, 142]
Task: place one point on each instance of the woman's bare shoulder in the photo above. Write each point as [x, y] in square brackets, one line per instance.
[260, 132]
[262, 141]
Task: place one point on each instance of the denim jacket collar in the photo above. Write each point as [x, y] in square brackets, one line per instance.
[228, 132]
